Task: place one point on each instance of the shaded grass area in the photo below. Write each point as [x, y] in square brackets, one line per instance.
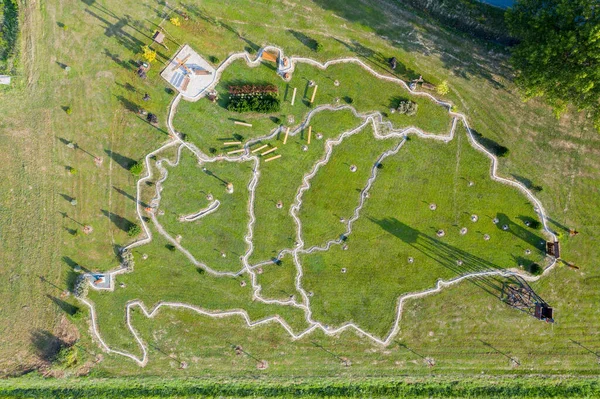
[397, 224]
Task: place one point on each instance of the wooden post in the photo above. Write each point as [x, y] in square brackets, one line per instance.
[242, 123]
[269, 151]
[309, 133]
[294, 95]
[236, 151]
[272, 158]
[232, 143]
[259, 148]
[312, 99]
[286, 135]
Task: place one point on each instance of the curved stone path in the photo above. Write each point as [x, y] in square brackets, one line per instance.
[376, 120]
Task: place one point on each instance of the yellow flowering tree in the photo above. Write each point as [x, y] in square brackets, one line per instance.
[149, 54]
[175, 21]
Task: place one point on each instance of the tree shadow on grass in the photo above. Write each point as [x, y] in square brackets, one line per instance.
[492, 146]
[63, 305]
[46, 345]
[449, 257]
[124, 161]
[119, 221]
[519, 231]
[446, 255]
[403, 27]
[306, 40]
[131, 197]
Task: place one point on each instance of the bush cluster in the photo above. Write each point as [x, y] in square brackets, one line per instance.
[407, 107]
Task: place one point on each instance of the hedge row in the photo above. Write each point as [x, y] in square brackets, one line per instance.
[9, 33]
[518, 387]
[264, 103]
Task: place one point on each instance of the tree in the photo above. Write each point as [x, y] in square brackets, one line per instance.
[443, 88]
[148, 54]
[558, 56]
[134, 230]
[175, 21]
[136, 169]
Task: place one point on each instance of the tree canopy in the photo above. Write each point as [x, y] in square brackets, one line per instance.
[558, 56]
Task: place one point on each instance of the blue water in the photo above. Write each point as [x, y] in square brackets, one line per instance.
[499, 3]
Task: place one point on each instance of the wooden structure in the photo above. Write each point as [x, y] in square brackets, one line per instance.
[294, 95]
[269, 151]
[544, 312]
[242, 123]
[309, 134]
[312, 99]
[181, 63]
[232, 143]
[518, 294]
[286, 135]
[159, 37]
[268, 56]
[553, 249]
[236, 151]
[273, 158]
[259, 148]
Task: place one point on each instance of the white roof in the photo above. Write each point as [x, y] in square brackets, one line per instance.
[196, 82]
[4, 79]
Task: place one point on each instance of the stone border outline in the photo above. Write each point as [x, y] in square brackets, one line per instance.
[305, 305]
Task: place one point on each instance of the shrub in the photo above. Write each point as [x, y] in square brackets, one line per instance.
[348, 100]
[67, 356]
[443, 88]
[170, 247]
[263, 103]
[407, 107]
[136, 169]
[318, 47]
[148, 54]
[212, 150]
[238, 137]
[68, 110]
[535, 269]
[213, 59]
[134, 230]
[72, 171]
[500, 151]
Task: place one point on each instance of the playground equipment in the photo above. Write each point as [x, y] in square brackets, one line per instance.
[242, 123]
[181, 63]
[294, 95]
[259, 148]
[286, 135]
[272, 158]
[268, 56]
[268, 151]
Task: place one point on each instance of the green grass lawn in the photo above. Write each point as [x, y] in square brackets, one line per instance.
[42, 232]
